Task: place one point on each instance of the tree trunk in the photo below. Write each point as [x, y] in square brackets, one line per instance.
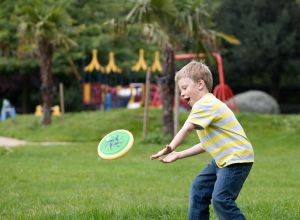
[167, 85]
[275, 85]
[45, 51]
[25, 93]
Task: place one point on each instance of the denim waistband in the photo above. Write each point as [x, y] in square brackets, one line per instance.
[240, 164]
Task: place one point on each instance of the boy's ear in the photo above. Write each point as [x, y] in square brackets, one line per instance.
[201, 84]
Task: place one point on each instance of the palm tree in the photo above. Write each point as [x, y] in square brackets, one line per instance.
[165, 22]
[44, 26]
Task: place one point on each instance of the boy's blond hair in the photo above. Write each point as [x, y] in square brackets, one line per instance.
[196, 71]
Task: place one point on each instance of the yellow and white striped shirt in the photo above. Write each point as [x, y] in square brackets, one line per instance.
[220, 133]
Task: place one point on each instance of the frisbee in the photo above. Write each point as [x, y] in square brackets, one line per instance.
[115, 144]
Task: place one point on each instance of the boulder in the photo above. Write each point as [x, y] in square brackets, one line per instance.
[256, 101]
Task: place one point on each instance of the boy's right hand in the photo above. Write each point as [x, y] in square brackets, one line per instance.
[162, 152]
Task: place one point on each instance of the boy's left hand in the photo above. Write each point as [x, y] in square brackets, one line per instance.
[162, 152]
[171, 157]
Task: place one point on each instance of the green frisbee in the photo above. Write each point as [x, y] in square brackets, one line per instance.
[115, 144]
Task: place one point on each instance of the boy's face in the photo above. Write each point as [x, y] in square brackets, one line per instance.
[190, 90]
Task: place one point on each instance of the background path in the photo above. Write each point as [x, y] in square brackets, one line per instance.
[7, 142]
[11, 142]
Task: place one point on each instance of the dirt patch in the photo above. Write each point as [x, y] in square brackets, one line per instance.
[11, 142]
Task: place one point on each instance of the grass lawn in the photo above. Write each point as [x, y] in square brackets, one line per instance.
[70, 181]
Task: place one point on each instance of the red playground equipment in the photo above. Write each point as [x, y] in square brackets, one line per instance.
[222, 91]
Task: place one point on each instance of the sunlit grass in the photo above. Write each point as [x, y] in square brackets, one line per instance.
[72, 182]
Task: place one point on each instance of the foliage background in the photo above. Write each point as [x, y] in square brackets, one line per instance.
[248, 66]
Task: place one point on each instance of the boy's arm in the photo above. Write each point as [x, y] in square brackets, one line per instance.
[181, 135]
[177, 140]
[196, 149]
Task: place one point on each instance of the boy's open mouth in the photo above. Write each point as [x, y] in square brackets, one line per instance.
[187, 99]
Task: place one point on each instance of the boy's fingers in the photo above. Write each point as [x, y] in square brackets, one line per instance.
[164, 151]
[161, 159]
[164, 160]
[154, 156]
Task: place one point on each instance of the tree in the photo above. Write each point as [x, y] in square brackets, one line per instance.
[167, 23]
[7, 28]
[44, 26]
[13, 73]
[269, 34]
[17, 60]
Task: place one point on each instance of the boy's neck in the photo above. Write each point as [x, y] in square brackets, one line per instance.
[203, 93]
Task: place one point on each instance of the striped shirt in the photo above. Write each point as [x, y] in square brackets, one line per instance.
[220, 133]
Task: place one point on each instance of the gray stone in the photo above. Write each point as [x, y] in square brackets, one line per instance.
[256, 101]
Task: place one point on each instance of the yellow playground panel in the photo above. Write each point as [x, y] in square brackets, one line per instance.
[55, 110]
[137, 95]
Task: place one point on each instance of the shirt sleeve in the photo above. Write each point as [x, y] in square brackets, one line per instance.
[201, 115]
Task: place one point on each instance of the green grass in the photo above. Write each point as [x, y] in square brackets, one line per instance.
[72, 182]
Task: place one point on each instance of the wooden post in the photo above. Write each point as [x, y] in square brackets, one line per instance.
[62, 101]
[146, 106]
[176, 110]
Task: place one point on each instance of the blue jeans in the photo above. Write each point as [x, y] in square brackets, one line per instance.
[222, 187]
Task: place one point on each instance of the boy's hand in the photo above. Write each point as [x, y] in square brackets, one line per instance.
[162, 152]
[173, 156]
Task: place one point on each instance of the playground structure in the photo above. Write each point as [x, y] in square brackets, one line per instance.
[104, 96]
[55, 111]
[7, 110]
[133, 95]
[137, 93]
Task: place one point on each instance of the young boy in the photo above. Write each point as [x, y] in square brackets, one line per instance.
[221, 136]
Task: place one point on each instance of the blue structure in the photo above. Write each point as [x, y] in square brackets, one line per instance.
[7, 110]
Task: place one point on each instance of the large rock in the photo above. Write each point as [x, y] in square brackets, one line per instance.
[257, 101]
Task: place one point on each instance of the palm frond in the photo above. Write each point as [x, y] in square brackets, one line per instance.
[41, 21]
[153, 33]
[228, 37]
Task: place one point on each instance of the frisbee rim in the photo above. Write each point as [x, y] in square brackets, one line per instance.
[122, 152]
